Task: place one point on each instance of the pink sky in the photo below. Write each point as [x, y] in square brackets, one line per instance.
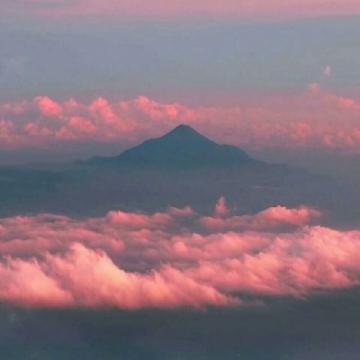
[234, 8]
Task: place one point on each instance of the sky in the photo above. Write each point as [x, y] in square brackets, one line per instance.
[190, 59]
[163, 8]
[112, 79]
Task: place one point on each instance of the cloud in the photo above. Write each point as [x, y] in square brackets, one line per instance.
[313, 118]
[48, 107]
[221, 208]
[327, 71]
[297, 264]
[84, 277]
[176, 258]
[271, 219]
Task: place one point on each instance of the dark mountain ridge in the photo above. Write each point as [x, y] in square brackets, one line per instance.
[181, 148]
[180, 168]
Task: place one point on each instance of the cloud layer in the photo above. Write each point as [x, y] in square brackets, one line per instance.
[176, 258]
[311, 119]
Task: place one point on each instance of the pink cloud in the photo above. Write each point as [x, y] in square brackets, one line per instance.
[173, 258]
[299, 263]
[94, 280]
[84, 277]
[25, 283]
[313, 118]
[48, 107]
[139, 220]
[274, 218]
[221, 208]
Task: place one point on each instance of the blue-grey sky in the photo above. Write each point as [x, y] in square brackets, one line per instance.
[176, 59]
[258, 82]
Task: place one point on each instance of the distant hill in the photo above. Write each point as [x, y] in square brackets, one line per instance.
[181, 148]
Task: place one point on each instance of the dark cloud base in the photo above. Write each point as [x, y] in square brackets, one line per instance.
[324, 327]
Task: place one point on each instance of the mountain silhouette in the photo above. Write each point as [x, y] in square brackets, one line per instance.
[179, 169]
[183, 147]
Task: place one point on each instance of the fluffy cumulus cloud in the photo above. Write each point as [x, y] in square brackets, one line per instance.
[311, 119]
[176, 258]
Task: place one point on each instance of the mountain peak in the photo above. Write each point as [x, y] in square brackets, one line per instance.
[183, 127]
[181, 148]
[184, 131]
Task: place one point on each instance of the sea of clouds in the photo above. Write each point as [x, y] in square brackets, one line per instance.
[176, 258]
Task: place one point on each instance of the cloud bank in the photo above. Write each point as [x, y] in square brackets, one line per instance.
[312, 119]
[176, 258]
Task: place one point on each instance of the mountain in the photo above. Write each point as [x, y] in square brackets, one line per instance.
[180, 168]
[181, 148]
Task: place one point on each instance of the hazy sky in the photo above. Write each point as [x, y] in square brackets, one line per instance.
[180, 8]
[182, 59]
[256, 74]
